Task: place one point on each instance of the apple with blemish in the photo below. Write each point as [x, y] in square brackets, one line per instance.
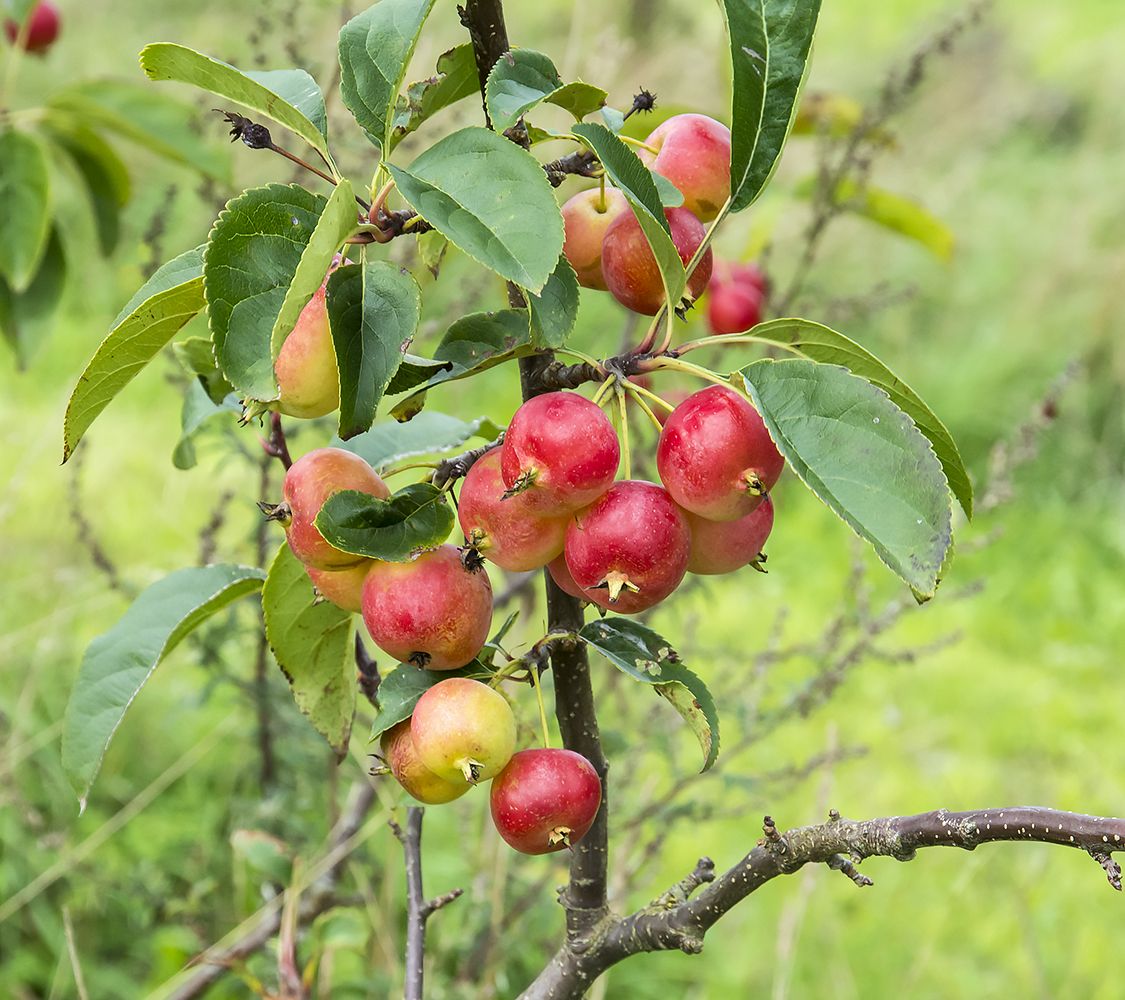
[310, 481]
[432, 611]
[416, 779]
[629, 265]
[463, 730]
[693, 152]
[586, 217]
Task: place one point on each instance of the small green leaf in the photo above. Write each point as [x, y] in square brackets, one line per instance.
[103, 174]
[416, 517]
[427, 434]
[523, 79]
[634, 180]
[375, 49]
[402, 687]
[25, 193]
[413, 372]
[142, 115]
[491, 199]
[312, 643]
[823, 344]
[863, 457]
[647, 656]
[456, 79]
[271, 226]
[373, 309]
[171, 297]
[197, 357]
[27, 318]
[555, 310]
[770, 43]
[118, 663]
[289, 97]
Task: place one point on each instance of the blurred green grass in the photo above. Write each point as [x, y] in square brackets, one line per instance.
[1014, 141]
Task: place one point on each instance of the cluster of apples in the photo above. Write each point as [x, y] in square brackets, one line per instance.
[43, 26]
[548, 497]
[462, 732]
[604, 241]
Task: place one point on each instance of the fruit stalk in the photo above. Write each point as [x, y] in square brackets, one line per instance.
[585, 895]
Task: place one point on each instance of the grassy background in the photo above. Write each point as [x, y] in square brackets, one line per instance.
[1013, 141]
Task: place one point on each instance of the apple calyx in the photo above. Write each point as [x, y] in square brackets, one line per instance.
[471, 769]
[420, 659]
[471, 557]
[280, 512]
[615, 582]
[753, 484]
[559, 835]
[758, 563]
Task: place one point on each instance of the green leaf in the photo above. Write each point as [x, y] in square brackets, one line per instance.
[171, 297]
[142, 115]
[261, 266]
[891, 211]
[863, 457]
[670, 195]
[373, 309]
[118, 663]
[823, 344]
[103, 174]
[416, 517]
[25, 193]
[427, 434]
[289, 97]
[400, 690]
[634, 180]
[555, 310]
[413, 372]
[197, 356]
[523, 79]
[375, 50]
[646, 656]
[198, 411]
[27, 318]
[312, 643]
[491, 199]
[456, 78]
[770, 42]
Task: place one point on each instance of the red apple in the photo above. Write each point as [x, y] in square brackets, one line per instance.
[629, 549]
[725, 546]
[715, 455]
[507, 532]
[308, 484]
[343, 587]
[560, 573]
[431, 611]
[733, 308]
[463, 729]
[630, 268]
[42, 29]
[586, 217]
[545, 800]
[693, 152]
[409, 771]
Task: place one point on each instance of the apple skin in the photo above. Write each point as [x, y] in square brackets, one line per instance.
[540, 444]
[545, 800]
[343, 587]
[733, 308]
[416, 779]
[715, 456]
[307, 376]
[635, 533]
[510, 533]
[463, 730]
[725, 546]
[44, 27]
[585, 221]
[308, 484]
[693, 152]
[630, 268]
[430, 611]
[560, 573]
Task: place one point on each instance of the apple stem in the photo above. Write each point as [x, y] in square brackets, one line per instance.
[623, 413]
[645, 408]
[640, 145]
[676, 365]
[535, 683]
[601, 206]
[737, 338]
[599, 396]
